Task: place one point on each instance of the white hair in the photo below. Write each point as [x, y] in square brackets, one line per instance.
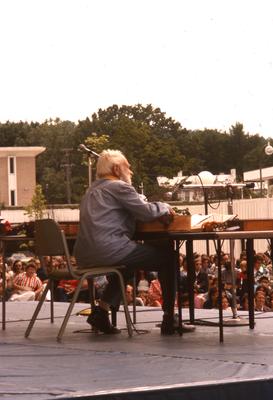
[108, 158]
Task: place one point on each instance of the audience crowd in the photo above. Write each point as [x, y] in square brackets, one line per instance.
[25, 282]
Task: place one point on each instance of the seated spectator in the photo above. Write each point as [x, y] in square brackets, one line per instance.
[212, 301]
[55, 263]
[270, 301]
[201, 280]
[260, 302]
[66, 288]
[201, 284]
[154, 296]
[8, 281]
[259, 268]
[40, 270]
[205, 263]
[242, 279]
[242, 258]
[184, 286]
[182, 257]
[142, 281]
[18, 267]
[265, 282]
[225, 302]
[213, 281]
[227, 274]
[263, 289]
[142, 293]
[244, 303]
[26, 286]
[130, 296]
[213, 269]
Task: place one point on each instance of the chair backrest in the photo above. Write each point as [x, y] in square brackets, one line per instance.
[50, 240]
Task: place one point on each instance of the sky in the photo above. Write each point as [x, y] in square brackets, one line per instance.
[205, 63]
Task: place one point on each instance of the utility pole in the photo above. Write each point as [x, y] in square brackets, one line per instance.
[266, 150]
[67, 165]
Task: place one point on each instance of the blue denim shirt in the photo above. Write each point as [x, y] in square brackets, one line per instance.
[108, 215]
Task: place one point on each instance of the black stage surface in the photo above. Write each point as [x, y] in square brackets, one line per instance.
[147, 366]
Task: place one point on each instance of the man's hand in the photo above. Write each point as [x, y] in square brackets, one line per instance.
[172, 211]
[167, 218]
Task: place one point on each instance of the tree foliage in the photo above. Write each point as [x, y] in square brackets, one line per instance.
[36, 209]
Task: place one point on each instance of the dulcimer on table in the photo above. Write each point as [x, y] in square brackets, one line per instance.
[255, 224]
[180, 223]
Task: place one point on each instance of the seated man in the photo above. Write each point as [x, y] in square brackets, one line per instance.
[27, 286]
[108, 215]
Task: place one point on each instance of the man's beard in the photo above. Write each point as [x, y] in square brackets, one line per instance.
[125, 178]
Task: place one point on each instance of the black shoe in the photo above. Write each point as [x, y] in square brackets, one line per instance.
[170, 325]
[167, 325]
[99, 320]
[185, 327]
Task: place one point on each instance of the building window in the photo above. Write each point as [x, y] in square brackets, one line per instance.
[11, 165]
[12, 197]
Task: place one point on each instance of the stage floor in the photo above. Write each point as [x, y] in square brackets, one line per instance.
[85, 363]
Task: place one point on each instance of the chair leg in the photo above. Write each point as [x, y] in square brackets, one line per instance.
[37, 310]
[91, 292]
[134, 298]
[69, 310]
[114, 316]
[125, 305]
[52, 287]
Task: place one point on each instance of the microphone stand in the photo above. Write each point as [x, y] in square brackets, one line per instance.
[89, 170]
[91, 154]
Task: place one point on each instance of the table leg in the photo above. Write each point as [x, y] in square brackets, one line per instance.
[4, 287]
[3, 307]
[191, 277]
[233, 289]
[250, 279]
[179, 302]
[221, 330]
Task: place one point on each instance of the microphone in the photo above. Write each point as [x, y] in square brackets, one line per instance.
[85, 149]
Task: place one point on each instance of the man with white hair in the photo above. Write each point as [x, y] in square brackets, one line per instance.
[108, 214]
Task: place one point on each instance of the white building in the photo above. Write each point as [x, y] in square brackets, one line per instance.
[18, 174]
[183, 186]
[263, 177]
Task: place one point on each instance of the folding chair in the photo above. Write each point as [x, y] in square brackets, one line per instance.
[50, 241]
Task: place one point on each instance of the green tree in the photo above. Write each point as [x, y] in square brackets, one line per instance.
[145, 135]
[37, 207]
[57, 136]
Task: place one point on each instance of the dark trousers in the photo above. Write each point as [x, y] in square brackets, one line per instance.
[147, 257]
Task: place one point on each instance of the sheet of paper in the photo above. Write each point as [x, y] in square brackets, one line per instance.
[198, 219]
